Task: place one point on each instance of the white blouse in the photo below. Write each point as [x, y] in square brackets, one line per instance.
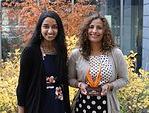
[103, 64]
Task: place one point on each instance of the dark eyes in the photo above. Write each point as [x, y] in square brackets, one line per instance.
[47, 26]
[97, 27]
[54, 26]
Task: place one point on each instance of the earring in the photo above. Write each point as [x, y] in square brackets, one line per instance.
[40, 36]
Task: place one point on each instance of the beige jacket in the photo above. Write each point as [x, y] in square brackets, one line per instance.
[78, 67]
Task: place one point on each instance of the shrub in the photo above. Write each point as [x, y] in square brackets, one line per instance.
[133, 98]
[8, 81]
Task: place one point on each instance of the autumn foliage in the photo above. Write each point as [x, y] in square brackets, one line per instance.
[133, 98]
[26, 14]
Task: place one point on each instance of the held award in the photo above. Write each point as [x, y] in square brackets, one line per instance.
[93, 89]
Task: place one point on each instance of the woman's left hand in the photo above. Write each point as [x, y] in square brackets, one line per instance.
[50, 79]
[105, 88]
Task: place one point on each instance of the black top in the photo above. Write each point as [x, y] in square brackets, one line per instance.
[49, 100]
[31, 81]
[50, 66]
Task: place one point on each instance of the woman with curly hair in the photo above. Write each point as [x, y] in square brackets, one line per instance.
[97, 68]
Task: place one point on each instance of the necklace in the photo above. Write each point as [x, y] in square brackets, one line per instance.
[47, 51]
[96, 52]
[90, 81]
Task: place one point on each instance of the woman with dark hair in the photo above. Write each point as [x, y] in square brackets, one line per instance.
[97, 68]
[43, 80]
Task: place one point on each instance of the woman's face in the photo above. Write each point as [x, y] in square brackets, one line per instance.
[49, 29]
[95, 31]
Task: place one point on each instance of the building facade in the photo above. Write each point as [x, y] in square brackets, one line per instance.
[130, 26]
[145, 36]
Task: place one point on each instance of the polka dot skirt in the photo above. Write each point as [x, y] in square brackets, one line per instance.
[91, 104]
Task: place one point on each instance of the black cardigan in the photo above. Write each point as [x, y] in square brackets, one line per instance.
[30, 81]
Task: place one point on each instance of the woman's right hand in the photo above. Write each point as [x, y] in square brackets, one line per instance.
[82, 86]
[20, 109]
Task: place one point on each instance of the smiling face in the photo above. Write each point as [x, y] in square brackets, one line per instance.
[49, 29]
[95, 31]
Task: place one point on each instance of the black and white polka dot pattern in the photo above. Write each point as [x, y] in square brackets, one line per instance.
[103, 62]
[91, 104]
[94, 63]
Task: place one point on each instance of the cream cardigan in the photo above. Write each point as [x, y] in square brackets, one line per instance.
[78, 66]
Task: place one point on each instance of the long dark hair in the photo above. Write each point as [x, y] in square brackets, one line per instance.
[59, 44]
[107, 40]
